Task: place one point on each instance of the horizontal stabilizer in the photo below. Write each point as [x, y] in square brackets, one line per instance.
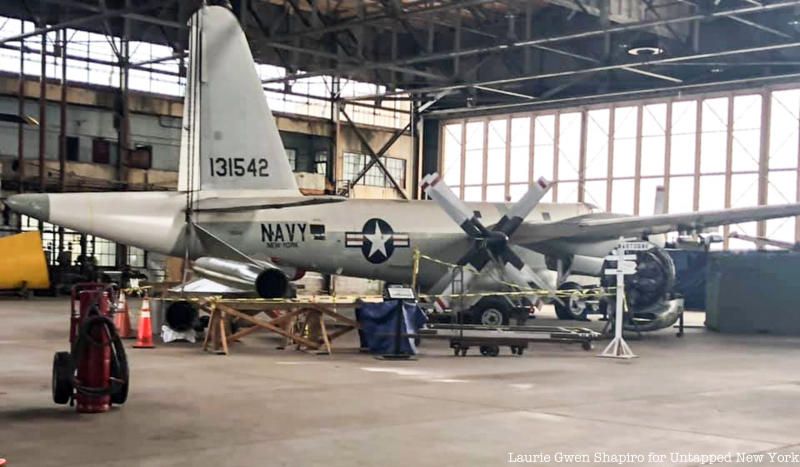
[253, 204]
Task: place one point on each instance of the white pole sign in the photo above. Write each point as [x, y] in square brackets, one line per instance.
[626, 265]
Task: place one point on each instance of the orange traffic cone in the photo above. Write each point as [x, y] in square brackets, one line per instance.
[122, 317]
[144, 339]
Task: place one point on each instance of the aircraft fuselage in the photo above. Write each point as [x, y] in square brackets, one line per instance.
[361, 238]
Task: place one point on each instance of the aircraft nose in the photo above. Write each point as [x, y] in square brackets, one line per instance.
[35, 205]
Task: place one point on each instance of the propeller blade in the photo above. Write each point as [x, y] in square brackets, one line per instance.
[510, 222]
[14, 118]
[474, 261]
[434, 186]
[520, 273]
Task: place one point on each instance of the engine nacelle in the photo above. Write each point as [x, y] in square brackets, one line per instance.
[266, 279]
[649, 292]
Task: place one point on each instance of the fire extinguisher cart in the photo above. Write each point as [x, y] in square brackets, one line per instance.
[94, 373]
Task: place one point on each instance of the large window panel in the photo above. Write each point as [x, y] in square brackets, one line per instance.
[496, 193]
[517, 191]
[569, 146]
[746, 133]
[625, 122]
[782, 189]
[784, 123]
[517, 146]
[451, 162]
[520, 150]
[597, 144]
[744, 193]
[520, 165]
[654, 128]
[567, 192]
[744, 190]
[712, 192]
[683, 139]
[473, 165]
[714, 139]
[352, 165]
[681, 194]
[543, 150]
[496, 153]
[647, 195]
[622, 196]
[473, 193]
[595, 193]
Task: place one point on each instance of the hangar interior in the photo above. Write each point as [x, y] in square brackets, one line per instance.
[607, 99]
[632, 107]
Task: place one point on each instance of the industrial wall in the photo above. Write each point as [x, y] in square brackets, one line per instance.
[155, 122]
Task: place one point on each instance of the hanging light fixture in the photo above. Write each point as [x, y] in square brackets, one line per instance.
[645, 48]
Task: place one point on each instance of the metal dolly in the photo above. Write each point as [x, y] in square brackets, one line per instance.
[489, 339]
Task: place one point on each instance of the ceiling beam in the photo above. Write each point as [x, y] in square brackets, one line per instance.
[82, 20]
[745, 21]
[579, 71]
[611, 96]
[424, 58]
[383, 16]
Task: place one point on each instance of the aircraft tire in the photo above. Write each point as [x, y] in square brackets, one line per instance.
[564, 311]
[491, 311]
[63, 370]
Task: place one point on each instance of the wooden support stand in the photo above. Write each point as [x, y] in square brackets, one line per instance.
[302, 325]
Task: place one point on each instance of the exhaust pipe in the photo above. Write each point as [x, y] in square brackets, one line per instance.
[181, 316]
[266, 279]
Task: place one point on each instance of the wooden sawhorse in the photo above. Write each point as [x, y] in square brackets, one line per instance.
[303, 325]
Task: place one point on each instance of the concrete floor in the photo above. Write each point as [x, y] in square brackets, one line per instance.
[702, 394]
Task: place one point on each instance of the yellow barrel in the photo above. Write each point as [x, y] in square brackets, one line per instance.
[23, 262]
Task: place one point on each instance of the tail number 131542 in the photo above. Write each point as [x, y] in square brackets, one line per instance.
[239, 167]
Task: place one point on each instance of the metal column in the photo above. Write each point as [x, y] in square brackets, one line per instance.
[21, 111]
[43, 113]
[62, 136]
[123, 132]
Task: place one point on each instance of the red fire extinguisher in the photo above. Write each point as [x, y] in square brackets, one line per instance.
[95, 372]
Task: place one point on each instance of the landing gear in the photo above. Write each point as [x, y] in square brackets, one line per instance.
[572, 306]
[491, 311]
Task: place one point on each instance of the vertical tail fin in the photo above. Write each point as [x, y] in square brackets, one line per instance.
[229, 140]
[659, 208]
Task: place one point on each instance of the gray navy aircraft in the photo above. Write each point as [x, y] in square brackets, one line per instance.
[239, 217]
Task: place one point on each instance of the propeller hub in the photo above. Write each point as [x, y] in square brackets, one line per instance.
[495, 239]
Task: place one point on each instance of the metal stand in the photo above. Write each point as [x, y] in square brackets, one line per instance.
[618, 348]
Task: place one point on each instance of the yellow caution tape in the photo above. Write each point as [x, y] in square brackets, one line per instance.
[595, 292]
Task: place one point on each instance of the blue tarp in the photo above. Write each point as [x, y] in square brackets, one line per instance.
[379, 326]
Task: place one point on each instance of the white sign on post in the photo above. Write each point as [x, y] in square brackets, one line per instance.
[626, 265]
[635, 246]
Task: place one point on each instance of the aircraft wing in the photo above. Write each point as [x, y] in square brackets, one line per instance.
[603, 226]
